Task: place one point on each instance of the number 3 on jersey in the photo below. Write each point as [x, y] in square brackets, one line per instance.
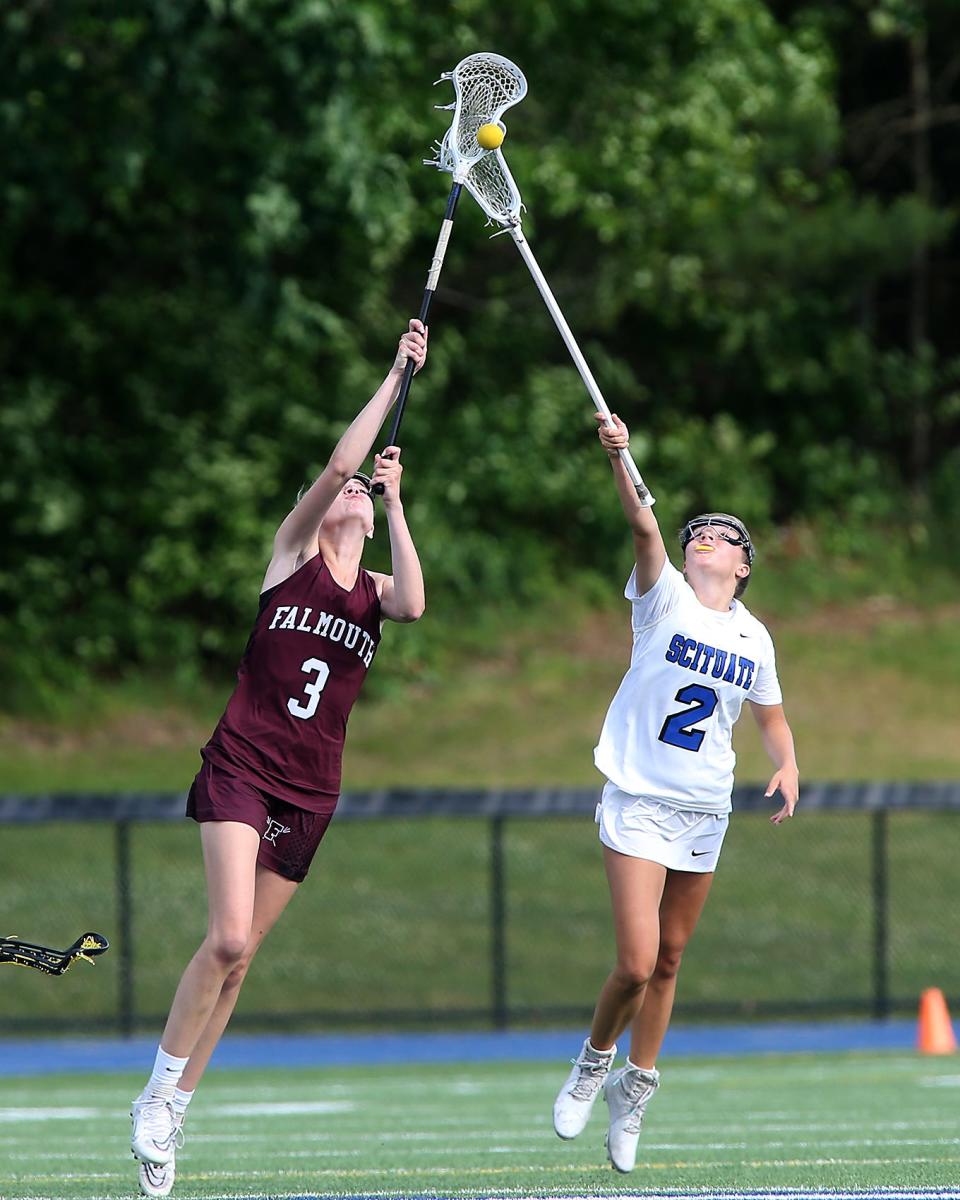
[676, 729]
[312, 689]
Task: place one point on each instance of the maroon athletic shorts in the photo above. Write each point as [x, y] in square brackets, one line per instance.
[289, 836]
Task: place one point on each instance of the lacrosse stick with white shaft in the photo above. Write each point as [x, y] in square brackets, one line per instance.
[489, 181]
[485, 86]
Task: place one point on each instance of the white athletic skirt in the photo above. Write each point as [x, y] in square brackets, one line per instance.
[651, 829]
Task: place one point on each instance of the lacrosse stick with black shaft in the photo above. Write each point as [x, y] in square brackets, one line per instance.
[50, 961]
[489, 181]
[485, 86]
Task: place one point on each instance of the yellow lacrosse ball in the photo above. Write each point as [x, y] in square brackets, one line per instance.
[489, 136]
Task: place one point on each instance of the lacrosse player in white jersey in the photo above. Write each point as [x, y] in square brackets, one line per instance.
[666, 751]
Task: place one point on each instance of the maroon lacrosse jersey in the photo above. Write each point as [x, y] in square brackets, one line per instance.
[301, 671]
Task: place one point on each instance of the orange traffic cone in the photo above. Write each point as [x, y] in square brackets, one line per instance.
[934, 1032]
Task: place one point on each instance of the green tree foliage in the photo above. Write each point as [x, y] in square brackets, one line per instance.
[216, 224]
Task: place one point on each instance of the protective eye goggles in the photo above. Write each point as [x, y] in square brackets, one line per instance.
[731, 529]
[365, 480]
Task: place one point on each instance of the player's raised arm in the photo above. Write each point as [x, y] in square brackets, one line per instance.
[299, 527]
[648, 544]
[402, 594]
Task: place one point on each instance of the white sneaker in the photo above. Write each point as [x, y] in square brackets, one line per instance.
[627, 1093]
[154, 1180]
[571, 1109]
[158, 1180]
[155, 1128]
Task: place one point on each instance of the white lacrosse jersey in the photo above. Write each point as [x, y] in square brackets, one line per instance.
[668, 733]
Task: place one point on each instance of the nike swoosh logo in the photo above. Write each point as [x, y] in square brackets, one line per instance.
[698, 853]
[746, 635]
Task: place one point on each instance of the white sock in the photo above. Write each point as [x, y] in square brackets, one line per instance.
[180, 1101]
[165, 1076]
[592, 1047]
[645, 1070]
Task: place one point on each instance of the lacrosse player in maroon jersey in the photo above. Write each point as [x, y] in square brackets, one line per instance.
[271, 771]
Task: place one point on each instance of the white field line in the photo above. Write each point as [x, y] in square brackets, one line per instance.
[800, 1126]
[331, 1145]
[240, 1157]
[723, 1194]
[525, 1149]
[801, 1067]
[286, 1108]
[11, 1115]
[360, 1173]
[518, 1145]
[561, 1194]
[342, 1141]
[712, 1194]
[700, 1194]
[343, 1108]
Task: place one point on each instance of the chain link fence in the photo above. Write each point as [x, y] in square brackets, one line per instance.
[473, 908]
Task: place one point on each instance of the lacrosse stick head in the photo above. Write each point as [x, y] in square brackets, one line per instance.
[485, 86]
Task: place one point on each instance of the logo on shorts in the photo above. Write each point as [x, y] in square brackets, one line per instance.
[698, 853]
[274, 828]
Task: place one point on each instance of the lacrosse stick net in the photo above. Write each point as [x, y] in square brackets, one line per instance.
[489, 181]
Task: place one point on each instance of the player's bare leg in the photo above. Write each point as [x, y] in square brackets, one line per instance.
[230, 860]
[684, 896]
[230, 857]
[635, 889]
[636, 886]
[273, 894]
[629, 1090]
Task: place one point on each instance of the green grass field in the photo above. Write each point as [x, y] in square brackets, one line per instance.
[836, 1122]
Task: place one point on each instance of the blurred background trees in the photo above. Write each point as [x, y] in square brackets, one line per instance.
[215, 226]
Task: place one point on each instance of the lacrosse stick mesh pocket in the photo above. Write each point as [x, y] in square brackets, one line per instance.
[485, 85]
[492, 186]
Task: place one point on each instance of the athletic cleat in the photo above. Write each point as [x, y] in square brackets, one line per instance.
[627, 1093]
[155, 1129]
[157, 1180]
[571, 1109]
[154, 1180]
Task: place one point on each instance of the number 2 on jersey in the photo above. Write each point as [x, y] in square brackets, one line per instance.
[676, 729]
[312, 689]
